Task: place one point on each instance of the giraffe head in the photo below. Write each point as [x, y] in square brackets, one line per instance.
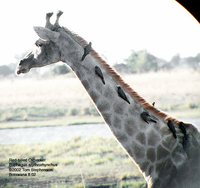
[46, 50]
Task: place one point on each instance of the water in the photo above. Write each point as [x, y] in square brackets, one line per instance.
[52, 134]
[61, 133]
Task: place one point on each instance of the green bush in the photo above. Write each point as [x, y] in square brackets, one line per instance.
[142, 61]
[193, 106]
[90, 111]
[74, 112]
[131, 184]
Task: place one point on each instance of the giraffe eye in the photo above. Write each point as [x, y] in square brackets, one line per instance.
[38, 44]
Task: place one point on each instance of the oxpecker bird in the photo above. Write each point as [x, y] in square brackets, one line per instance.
[147, 117]
[87, 50]
[122, 94]
[153, 103]
[183, 130]
[172, 128]
[99, 73]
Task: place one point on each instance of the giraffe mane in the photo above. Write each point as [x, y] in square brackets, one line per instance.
[121, 82]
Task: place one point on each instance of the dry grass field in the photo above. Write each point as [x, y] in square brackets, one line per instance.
[177, 92]
[162, 87]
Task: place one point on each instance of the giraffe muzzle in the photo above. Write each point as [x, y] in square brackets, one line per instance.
[21, 70]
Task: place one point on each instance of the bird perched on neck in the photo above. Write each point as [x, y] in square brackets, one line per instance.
[170, 124]
[99, 73]
[122, 94]
[87, 50]
[185, 135]
[147, 117]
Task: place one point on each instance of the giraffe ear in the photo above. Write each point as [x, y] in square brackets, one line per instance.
[47, 34]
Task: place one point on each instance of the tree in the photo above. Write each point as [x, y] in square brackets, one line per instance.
[5, 70]
[142, 61]
[61, 69]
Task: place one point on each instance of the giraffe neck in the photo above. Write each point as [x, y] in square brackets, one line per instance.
[149, 145]
[122, 118]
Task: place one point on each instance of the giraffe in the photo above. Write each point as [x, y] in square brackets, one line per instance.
[166, 150]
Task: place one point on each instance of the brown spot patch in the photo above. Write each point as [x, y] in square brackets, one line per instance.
[119, 108]
[130, 152]
[161, 152]
[151, 169]
[159, 166]
[86, 84]
[78, 75]
[141, 138]
[117, 122]
[144, 166]
[107, 118]
[121, 137]
[103, 106]
[108, 93]
[151, 154]
[139, 151]
[94, 96]
[99, 88]
[153, 138]
[129, 127]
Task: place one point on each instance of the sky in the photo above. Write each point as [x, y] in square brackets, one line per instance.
[115, 27]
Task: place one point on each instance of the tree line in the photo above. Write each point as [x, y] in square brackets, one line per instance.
[142, 61]
[137, 62]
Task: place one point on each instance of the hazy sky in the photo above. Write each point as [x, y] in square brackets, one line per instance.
[115, 27]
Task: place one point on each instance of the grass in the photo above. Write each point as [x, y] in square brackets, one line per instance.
[107, 163]
[94, 162]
